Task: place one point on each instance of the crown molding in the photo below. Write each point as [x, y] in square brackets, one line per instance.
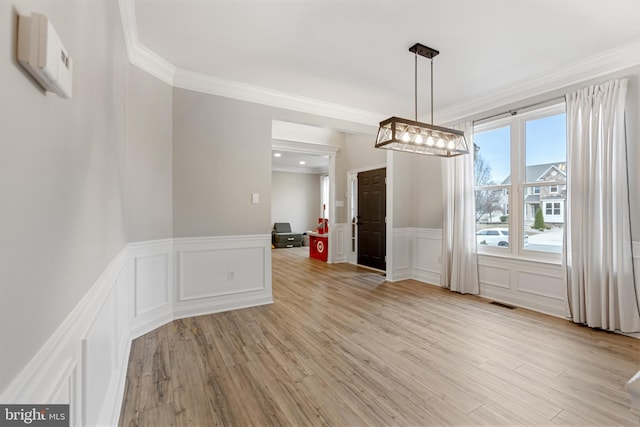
[140, 55]
[597, 66]
[147, 60]
[245, 92]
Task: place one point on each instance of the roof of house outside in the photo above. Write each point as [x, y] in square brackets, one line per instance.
[534, 172]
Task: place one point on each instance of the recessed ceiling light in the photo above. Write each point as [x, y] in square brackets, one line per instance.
[277, 155]
[302, 162]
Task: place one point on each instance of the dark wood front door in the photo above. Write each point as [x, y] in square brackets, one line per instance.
[371, 219]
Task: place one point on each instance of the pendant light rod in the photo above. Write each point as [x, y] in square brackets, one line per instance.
[427, 52]
[415, 85]
[431, 90]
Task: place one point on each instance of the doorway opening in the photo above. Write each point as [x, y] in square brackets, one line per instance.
[314, 166]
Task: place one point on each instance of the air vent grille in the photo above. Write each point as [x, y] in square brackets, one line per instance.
[503, 305]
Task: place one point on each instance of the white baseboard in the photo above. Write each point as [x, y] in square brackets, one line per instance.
[84, 363]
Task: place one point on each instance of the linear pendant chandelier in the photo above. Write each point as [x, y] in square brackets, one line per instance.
[416, 137]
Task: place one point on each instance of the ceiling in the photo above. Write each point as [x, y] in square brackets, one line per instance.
[354, 53]
[289, 161]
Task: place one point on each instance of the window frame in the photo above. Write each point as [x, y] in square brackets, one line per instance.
[518, 188]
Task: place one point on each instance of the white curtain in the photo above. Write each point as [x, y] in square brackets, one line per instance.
[459, 252]
[600, 280]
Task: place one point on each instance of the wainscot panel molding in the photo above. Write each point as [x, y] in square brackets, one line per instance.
[402, 254]
[149, 270]
[535, 285]
[340, 241]
[84, 362]
[221, 273]
[427, 255]
[416, 254]
[58, 373]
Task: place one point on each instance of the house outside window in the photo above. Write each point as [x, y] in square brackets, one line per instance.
[520, 167]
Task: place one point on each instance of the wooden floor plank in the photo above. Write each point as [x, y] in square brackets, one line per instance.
[342, 347]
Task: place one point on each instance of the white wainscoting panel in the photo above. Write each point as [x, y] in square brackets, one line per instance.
[209, 273]
[402, 268]
[535, 285]
[493, 275]
[98, 357]
[219, 273]
[151, 283]
[541, 284]
[59, 372]
[339, 242]
[84, 362]
[427, 254]
[150, 273]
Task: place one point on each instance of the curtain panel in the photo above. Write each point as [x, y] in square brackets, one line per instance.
[600, 279]
[459, 251]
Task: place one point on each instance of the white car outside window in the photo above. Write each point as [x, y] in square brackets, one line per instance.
[493, 237]
[496, 237]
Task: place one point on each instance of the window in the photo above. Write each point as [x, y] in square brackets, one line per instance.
[324, 195]
[520, 176]
[552, 208]
[492, 176]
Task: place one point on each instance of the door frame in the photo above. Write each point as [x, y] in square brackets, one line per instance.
[352, 205]
[320, 150]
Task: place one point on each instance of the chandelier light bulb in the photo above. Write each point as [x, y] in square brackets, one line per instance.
[451, 145]
[440, 143]
[430, 141]
[419, 139]
[405, 137]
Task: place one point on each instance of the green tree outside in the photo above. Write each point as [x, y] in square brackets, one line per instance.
[538, 224]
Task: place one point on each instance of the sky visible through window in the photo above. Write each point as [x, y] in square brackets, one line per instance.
[546, 140]
[545, 144]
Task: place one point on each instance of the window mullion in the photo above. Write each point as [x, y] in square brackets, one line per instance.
[517, 160]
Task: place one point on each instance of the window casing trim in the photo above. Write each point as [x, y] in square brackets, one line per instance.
[517, 124]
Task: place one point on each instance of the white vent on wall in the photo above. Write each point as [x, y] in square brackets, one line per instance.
[42, 54]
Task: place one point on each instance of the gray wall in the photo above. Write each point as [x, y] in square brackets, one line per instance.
[295, 198]
[62, 181]
[149, 158]
[417, 191]
[221, 155]
[428, 175]
[359, 152]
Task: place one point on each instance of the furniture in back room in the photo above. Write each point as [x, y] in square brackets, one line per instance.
[282, 237]
[318, 245]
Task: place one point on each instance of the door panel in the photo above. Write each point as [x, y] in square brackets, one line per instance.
[372, 211]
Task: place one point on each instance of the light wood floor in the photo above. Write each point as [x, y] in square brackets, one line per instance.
[341, 347]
